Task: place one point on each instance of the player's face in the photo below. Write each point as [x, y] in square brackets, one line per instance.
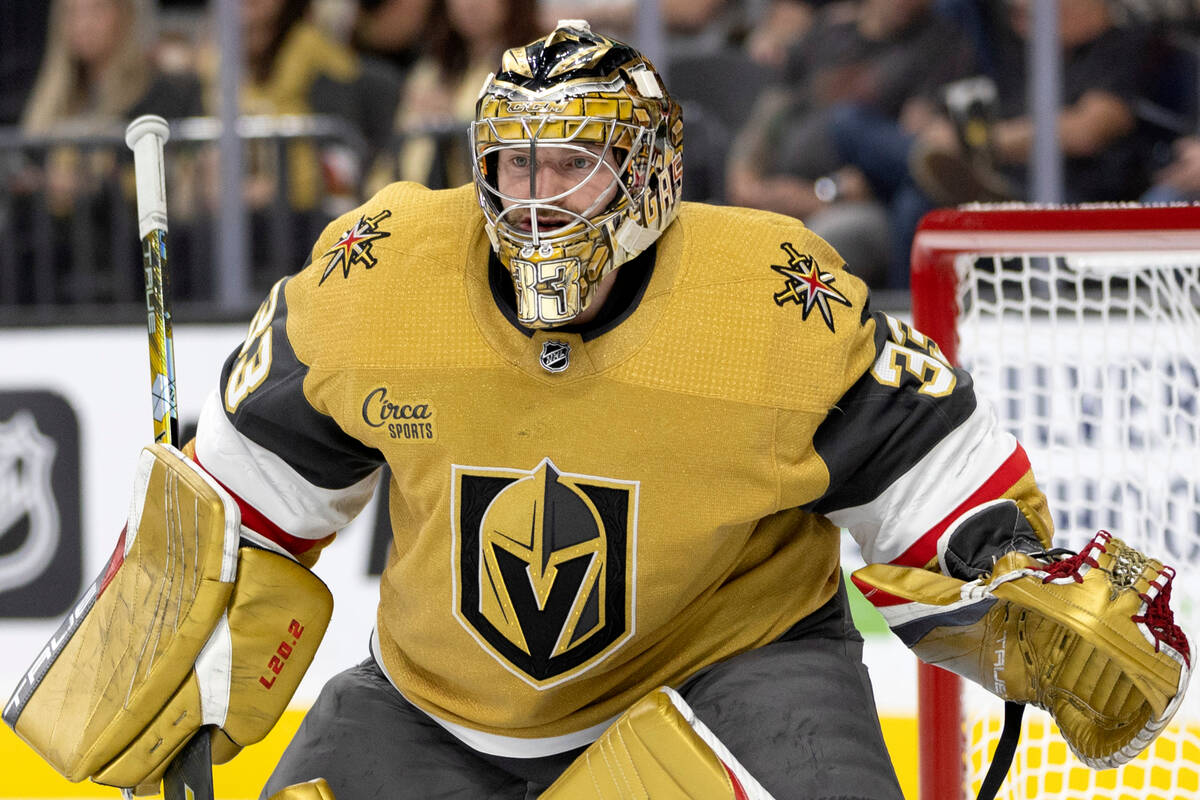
[577, 178]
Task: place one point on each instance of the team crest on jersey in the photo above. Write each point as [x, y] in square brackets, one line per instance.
[355, 246]
[545, 566]
[807, 285]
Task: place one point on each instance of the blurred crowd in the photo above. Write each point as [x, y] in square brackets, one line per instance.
[857, 116]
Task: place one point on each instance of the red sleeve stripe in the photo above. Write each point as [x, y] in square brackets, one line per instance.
[922, 551]
[254, 519]
[877, 597]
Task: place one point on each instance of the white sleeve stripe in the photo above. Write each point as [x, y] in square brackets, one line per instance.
[932, 488]
[270, 484]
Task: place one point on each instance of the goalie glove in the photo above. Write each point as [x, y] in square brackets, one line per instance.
[1089, 637]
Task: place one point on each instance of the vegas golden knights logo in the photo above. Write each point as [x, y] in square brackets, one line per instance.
[545, 564]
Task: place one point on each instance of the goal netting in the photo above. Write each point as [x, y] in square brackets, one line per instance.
[1082, 327]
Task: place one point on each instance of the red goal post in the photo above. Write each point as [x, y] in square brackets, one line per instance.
[1082, 326]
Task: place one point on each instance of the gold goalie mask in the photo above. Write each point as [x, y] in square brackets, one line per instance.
[577, 166]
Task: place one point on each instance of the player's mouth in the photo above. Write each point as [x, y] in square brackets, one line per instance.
[546, 222]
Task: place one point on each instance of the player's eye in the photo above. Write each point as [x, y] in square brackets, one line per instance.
[581, 162]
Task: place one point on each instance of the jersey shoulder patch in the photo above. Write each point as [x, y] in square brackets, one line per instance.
[401, 218]
[384, 276]
[761, 311]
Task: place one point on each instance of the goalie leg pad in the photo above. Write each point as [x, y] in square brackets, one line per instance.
[183, 629]
[245, 675]
[657, 749]
[1090, 638]
[133, 637]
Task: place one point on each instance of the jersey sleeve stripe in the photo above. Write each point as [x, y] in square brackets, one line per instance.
[968, 458]
[883, 426]
[877, 597]
[256, 521]
[1008, 475]
[272, 409]
[267, 483]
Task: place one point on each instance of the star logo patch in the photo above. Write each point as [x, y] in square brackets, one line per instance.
[355, 246]
[807, 285]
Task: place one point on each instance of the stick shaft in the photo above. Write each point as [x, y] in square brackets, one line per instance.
[146, 136]
[162, 346]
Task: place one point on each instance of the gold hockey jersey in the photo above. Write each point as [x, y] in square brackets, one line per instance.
[579, 517]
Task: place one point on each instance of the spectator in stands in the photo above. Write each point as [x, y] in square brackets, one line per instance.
[1179, 181]
[291, 66]
[779, 26]
[96, 75]
[465, 43]
[392, 31]
[389, 37]
[887, 56]
[1177, 23]
[97, 70]
[983, 154]
[22, 44]
[691, 27]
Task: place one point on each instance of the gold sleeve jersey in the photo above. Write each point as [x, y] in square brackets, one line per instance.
[579, 517]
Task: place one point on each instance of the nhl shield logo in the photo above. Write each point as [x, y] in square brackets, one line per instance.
[545, 564]
[556, 355]
[28, 512]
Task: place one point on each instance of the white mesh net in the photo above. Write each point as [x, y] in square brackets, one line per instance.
[1093, 363]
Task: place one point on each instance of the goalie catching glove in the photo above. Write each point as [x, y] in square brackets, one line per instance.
[1089, 637]
[186, 627]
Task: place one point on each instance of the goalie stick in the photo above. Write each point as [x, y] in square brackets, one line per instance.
[189, 776]
[145, 137]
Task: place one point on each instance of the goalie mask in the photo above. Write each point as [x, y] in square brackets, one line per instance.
[577, 166]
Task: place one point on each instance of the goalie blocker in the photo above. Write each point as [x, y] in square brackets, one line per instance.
[1089, 637]
[186, 627]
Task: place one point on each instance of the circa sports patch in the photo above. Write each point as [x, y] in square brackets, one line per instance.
[544, 565]
[808, 286]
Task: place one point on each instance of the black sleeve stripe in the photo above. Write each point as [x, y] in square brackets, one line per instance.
[876, 433]
[278, 416]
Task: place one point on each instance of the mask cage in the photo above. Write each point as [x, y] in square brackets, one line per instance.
[631, 145]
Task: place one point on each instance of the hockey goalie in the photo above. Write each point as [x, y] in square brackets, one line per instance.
[622, 435]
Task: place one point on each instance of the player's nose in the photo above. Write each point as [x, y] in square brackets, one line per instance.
[548, 183]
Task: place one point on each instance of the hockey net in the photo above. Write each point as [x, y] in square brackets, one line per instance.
[1081, 325]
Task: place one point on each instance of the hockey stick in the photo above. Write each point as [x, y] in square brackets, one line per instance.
[145, 137]
[189, 775]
